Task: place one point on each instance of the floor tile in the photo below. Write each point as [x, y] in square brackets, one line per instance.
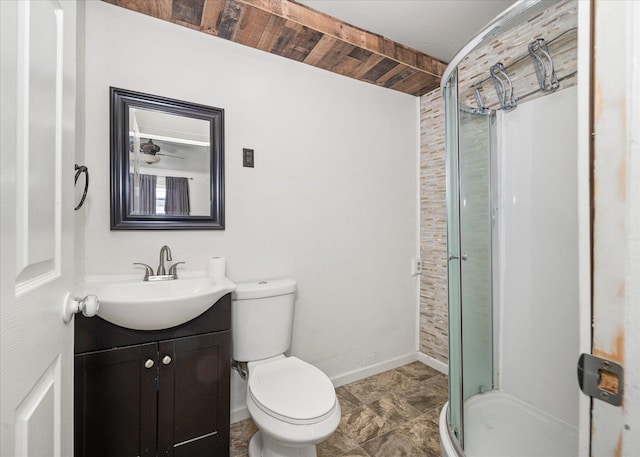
[425, 401]
[391, 444]
[439, 382]
[433, 414]
[423, 433]
[337, 444]
[418, 370]
[356, 452]
[375, 387]
[241, 433]
[427, 394]
[393, 411]
[348, 402]
[362, 424]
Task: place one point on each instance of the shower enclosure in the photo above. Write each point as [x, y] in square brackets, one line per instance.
[511, 237]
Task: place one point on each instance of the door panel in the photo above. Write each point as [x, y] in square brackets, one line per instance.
[37, 151]
[39, 68]
[118, 402]
[194, 386]
[616, 220]
[33, 415]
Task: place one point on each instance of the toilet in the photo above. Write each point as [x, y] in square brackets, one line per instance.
[293, 403]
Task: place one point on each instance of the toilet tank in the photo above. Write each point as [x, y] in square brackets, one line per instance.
[262, 319]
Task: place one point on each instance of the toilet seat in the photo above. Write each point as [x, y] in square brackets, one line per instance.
[292, 390]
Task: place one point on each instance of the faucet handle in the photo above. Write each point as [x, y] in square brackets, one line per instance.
[148, 271]
[173, 269]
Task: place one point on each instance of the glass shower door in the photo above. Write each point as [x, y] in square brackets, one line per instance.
[474, 175]
[469, 236]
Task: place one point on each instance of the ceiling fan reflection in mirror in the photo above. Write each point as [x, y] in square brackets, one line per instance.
[149, 153]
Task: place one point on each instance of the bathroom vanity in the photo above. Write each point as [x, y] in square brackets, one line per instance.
[153, 393]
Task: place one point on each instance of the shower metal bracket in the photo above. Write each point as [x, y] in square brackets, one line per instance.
[601, 378]
[545, 72]
[504, 87]
[482, 109]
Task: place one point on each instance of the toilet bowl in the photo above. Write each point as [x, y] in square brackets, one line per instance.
[294, 406]
[292, 403]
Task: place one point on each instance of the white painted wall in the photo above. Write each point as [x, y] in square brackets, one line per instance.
[331, 202]
[539, 254]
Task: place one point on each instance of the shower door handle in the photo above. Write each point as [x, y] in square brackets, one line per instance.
[455, 256]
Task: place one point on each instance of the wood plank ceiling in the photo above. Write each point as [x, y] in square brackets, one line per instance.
[294, 31]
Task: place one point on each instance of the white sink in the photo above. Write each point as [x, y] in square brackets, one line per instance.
[155, 305]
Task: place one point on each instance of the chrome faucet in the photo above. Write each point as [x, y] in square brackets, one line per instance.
[161, 274]
[164, 252]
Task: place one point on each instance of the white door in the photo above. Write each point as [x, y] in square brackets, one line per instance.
[616, 223]
[37, 80]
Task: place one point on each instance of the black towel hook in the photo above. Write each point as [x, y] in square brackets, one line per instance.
[79, 170]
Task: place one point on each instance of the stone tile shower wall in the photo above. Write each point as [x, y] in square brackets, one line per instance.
[505, 48]
[433, 228]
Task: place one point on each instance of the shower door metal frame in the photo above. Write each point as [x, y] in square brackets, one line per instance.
[455, 418]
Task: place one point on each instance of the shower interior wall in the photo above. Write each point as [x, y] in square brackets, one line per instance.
[537, 308]
[505, 48]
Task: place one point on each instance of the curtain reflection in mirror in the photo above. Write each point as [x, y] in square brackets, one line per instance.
[142, 193]
[152, 194]
[177, 196]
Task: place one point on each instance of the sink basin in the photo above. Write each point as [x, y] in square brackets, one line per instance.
[155, 305]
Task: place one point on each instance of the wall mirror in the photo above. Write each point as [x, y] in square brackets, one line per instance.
[167, 163]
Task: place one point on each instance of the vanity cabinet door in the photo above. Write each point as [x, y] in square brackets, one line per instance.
[193, 395]
[116, 405]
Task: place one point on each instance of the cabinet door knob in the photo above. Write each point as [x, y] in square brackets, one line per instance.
[166, 360]
[148, 363]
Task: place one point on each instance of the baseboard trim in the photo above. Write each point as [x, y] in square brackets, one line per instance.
[242, 413]
[433, 363]
[239, 414]
[370, 370]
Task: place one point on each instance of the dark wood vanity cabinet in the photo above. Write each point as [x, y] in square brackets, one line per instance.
[148, 393]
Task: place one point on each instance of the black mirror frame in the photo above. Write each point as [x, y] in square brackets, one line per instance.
[120, 101]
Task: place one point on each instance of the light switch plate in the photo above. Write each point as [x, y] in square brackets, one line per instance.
[247, 157]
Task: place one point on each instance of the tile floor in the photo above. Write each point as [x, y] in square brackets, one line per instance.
[392, 414]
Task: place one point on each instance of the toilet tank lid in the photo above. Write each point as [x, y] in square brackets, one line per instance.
[265, 288]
